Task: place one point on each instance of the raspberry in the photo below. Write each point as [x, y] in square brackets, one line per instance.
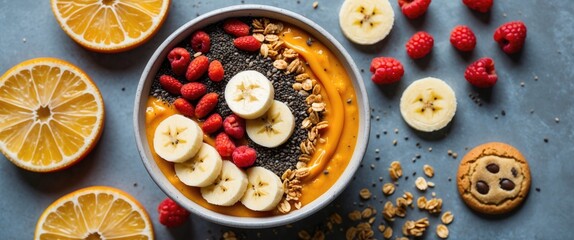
[212, 123]
[386, 70]
[171, 214]
[419, 45]
[179, 58]
[206, 104]
[236, 28]
[170, 84]
[193, 90]
[234, 126]
[481, 73]
[200, 42]
[414, 8]
[478, 5]
[224, 145]
[511, 36]
[184, 107]
[215, 71]
[244, 156]
[462, 38]
[247, 43]
[197, 68]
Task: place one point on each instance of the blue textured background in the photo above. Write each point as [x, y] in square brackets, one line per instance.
[29, 30]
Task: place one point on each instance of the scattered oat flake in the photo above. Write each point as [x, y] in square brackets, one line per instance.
[388, 233]
[421, 184]
[365, 193]
[429, 171]
[442, 231]
[447, 217]
[388, 188]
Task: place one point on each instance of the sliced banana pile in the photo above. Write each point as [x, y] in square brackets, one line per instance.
[177, 138]
[269, 122]
[428, 104]
[366, 22]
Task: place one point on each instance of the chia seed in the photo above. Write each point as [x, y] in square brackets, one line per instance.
[277, 159]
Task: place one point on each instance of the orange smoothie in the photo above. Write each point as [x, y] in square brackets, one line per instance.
[330, 157]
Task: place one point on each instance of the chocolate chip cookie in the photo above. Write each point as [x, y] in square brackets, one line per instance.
[493, 178]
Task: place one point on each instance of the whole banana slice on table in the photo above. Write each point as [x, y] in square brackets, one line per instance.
[274, 127]
[249, 94]
[201, 170]
[228, 187]
[264, 190]
[177, 138]
[428, 104]
[366, 22]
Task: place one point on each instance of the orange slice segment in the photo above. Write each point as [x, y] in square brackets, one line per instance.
[110, 25]
[51, 114]
[95, 213]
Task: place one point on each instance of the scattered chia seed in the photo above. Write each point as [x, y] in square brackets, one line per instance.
[277, 159]
[557, 120]
[503, 113]
[377, 158]
[414, 174]
[545, 140]
[385, 132]
[537, 189]
[310, 41]
[372, 166]
[377, 150]
[406, 178]
[378, 135]
[430, 149]
[522, 84]
[449, 179]
[396, 131]
[380, 179]
[123, 89]
[406, 138]
[395, 142]
[418, 155]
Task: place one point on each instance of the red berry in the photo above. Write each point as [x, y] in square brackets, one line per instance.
[193, 90]
[481, 73]
[200, 42]
[478, 5]
[215, 71]
[179, 58]
[206, 104]
[247, 43]
[386, 70]
[184, 107]
[244, 156]
[234, 126]
[414, 8]
[236, 27]
[419, 45]
[170, 84]
[212, 123]
[197, 68]
[224, 145]
[511, 36]
[171, 214]
[462, 38]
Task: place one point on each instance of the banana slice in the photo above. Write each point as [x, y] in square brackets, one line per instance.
[366, 22]
[249, 94]
[428, 104]
[264, 190]
[177, 138]
[228, 188]
[273, 128]
[201, 170]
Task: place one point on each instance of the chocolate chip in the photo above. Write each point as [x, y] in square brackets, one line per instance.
[493, 168]
[507, 184]
[482, 187]
[514, 172]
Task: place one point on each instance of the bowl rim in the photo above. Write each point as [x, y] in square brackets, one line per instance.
[248, 10]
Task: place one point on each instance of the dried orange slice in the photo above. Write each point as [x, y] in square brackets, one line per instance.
[110, 25]
[51, 114]
[95, 213]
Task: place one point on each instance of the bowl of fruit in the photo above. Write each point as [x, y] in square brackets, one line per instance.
[251, 116]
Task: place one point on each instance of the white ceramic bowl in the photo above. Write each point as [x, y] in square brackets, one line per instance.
[256, 11]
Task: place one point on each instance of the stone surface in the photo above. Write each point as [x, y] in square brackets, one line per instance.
[29, 30]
